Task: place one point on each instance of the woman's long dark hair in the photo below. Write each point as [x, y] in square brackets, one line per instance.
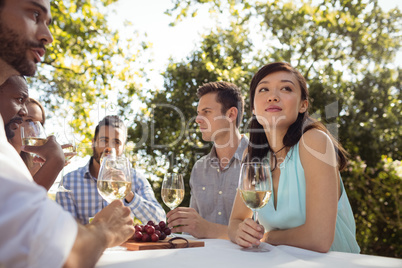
[259, 145]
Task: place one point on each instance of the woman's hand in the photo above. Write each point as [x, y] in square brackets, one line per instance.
[249, 233]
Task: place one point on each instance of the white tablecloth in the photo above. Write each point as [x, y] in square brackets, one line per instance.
[223, 253]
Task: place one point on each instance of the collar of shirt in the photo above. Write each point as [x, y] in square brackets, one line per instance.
[213, 157]
[85, 171]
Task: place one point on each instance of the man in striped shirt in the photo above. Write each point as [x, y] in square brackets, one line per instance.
[84, 201]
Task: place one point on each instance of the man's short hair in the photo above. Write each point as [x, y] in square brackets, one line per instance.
[113, 121]
[228, 94]
[6, 83]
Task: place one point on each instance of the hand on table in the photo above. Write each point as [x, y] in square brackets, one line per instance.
[249, 233]
[184, 219]
[115, 223]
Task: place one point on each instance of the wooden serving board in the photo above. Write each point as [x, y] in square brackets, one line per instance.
[164, 244]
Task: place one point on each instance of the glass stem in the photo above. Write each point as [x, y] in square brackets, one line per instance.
[255, 218]
[61, 179]
[171, 234]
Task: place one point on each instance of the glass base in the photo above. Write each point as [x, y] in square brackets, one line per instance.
[256, 249]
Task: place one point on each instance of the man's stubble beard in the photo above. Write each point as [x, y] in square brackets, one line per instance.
[13, 50]
[95, 155]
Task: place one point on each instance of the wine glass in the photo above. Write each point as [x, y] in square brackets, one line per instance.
[67, 141]
[106, 152]
[255, 187]
[172, 190]
[33, 134]
[114, 180]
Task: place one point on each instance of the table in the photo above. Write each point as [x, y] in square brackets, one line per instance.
[223, 253]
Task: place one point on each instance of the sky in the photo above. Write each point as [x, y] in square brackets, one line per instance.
[179, 41]
[147, 17]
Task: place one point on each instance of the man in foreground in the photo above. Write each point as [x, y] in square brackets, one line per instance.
[35, 231]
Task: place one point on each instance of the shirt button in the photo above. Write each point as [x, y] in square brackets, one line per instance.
[219, 213]
[203, 188]
[220, 192]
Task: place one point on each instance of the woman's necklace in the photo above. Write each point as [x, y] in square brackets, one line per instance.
[275, 158]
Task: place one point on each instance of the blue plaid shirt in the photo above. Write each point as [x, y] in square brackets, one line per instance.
[84, 201]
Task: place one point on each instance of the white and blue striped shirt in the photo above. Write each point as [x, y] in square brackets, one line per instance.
[84, 201]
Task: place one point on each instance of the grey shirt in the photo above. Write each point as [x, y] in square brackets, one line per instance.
[213, 190]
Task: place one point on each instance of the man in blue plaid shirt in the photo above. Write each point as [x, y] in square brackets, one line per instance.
[84, 201]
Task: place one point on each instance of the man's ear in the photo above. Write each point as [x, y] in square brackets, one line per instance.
[232, 114]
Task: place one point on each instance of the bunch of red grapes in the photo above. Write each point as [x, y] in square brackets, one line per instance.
[151, 232]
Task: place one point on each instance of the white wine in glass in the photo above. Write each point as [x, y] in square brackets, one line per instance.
[33, 134]
[32, 141]
[172, 190]
[255, 188]
[255, 199]
[114, 180]
[111, 190]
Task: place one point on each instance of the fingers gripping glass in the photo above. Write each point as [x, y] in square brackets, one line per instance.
[255, 190]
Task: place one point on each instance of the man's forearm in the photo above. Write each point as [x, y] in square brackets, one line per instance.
[88, 247]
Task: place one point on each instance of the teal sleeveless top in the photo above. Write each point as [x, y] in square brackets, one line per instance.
[291, 206]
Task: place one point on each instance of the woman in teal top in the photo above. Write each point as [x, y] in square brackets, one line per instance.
[309, 207]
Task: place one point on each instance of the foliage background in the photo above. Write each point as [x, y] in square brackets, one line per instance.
[345, 49]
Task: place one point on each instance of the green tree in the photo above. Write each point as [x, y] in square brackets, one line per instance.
[173, 143]
[345, 49]
[79, 72]
[376, 192]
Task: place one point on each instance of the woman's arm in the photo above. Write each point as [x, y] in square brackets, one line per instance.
[318, 159]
